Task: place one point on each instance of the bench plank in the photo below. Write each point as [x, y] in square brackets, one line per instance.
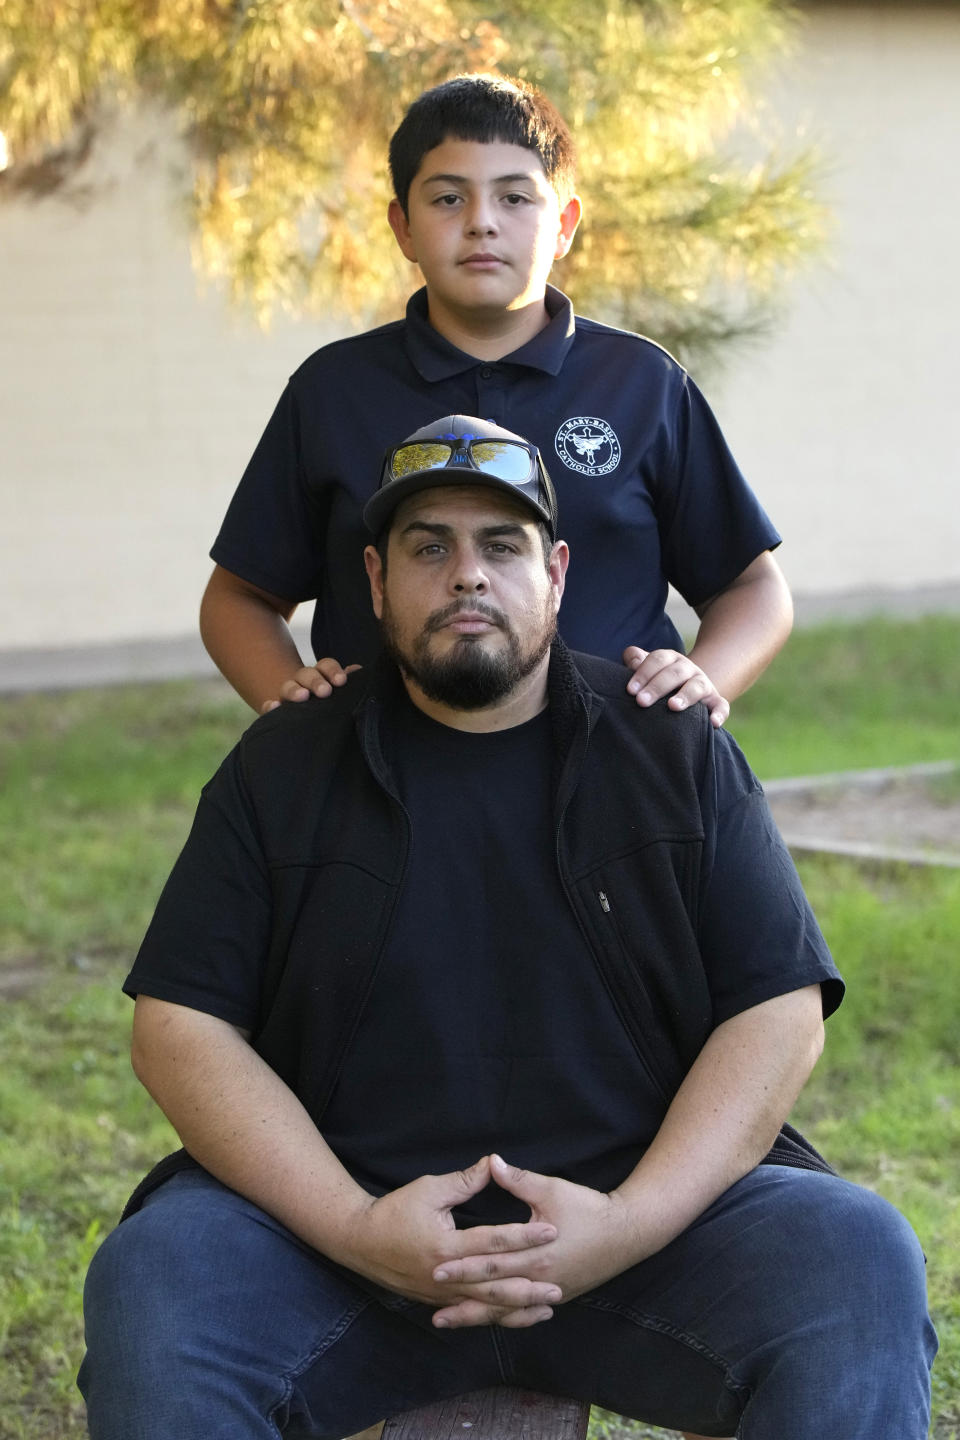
[499, 1414]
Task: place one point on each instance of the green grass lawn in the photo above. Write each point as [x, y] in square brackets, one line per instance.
[845, 697]
[96, 793]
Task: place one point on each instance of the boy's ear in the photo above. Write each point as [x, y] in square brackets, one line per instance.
[401, 229]
[569, 220]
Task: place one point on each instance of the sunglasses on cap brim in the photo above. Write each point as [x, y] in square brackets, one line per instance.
[513, 461]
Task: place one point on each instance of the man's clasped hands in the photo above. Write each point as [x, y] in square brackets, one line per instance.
[508, 1274]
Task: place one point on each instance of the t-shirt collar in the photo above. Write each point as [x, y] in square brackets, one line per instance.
[436, 359]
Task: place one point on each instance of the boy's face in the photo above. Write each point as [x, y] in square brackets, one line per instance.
[485, 225]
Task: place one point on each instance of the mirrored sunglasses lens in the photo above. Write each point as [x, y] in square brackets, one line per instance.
[501, 458]
[411, 458]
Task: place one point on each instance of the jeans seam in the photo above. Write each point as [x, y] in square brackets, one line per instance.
[657, 1323]
[292, 1374]
[502, 1356]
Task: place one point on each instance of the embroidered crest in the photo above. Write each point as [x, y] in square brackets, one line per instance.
[588, 445]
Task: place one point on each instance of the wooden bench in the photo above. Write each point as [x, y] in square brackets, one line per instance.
[498, 1414]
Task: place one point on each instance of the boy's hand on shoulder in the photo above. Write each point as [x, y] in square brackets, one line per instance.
[668, 672]
[318, 680]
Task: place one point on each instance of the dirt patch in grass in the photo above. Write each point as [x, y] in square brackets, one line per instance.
[908, 813]
[20, 974]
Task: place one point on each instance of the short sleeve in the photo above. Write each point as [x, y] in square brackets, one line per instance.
[207, 943]
[712, 526]
[271, 533]
[759, 937]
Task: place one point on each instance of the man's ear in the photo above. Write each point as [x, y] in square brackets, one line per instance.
[569, 220]
[400, 226]
[374, 564]
[557, 568]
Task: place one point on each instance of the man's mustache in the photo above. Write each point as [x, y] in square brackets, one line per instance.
[473, 607]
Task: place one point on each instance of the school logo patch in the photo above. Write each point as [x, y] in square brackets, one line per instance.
[588, 445]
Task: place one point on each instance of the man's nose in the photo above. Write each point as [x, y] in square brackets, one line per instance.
[468, 575]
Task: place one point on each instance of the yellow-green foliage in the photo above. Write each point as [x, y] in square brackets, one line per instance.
[286, 107]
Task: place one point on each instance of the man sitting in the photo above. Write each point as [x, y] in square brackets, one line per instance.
[479, 1000]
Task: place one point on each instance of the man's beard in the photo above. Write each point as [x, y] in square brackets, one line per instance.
[467, 677]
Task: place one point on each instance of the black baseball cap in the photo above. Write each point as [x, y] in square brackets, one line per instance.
[462, 450]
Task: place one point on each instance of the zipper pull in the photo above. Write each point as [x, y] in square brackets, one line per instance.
[604, 902]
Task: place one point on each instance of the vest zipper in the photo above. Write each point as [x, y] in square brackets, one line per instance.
[655, 1079]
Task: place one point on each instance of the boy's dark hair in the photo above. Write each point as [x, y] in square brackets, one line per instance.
[487, 108]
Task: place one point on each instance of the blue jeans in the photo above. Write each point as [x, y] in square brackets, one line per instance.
[793, 1309]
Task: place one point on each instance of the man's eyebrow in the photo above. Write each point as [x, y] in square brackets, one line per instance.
[505, 527]
[431, 529]
[483, 532]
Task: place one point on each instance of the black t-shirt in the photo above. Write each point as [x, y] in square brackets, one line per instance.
[486, 968]
[489, 1026]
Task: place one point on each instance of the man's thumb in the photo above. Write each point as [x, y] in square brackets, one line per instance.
[527, 1185]
[464, 1183]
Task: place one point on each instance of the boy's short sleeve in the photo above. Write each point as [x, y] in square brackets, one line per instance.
[272, 534]
[209, 937]
[712, 526]
[759, 937]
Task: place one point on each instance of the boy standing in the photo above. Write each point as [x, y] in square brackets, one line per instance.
[648, 491]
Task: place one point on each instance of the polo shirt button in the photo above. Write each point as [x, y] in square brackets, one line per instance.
[486, 372]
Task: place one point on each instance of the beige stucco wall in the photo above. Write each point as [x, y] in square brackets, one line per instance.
[847, 422]
[130, 402]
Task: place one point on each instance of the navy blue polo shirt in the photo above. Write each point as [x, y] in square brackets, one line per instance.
[648, 490]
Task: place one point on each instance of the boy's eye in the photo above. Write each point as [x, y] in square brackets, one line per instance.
[447, 200]
[515, 199]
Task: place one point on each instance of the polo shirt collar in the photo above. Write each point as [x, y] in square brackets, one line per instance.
[436, 359]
